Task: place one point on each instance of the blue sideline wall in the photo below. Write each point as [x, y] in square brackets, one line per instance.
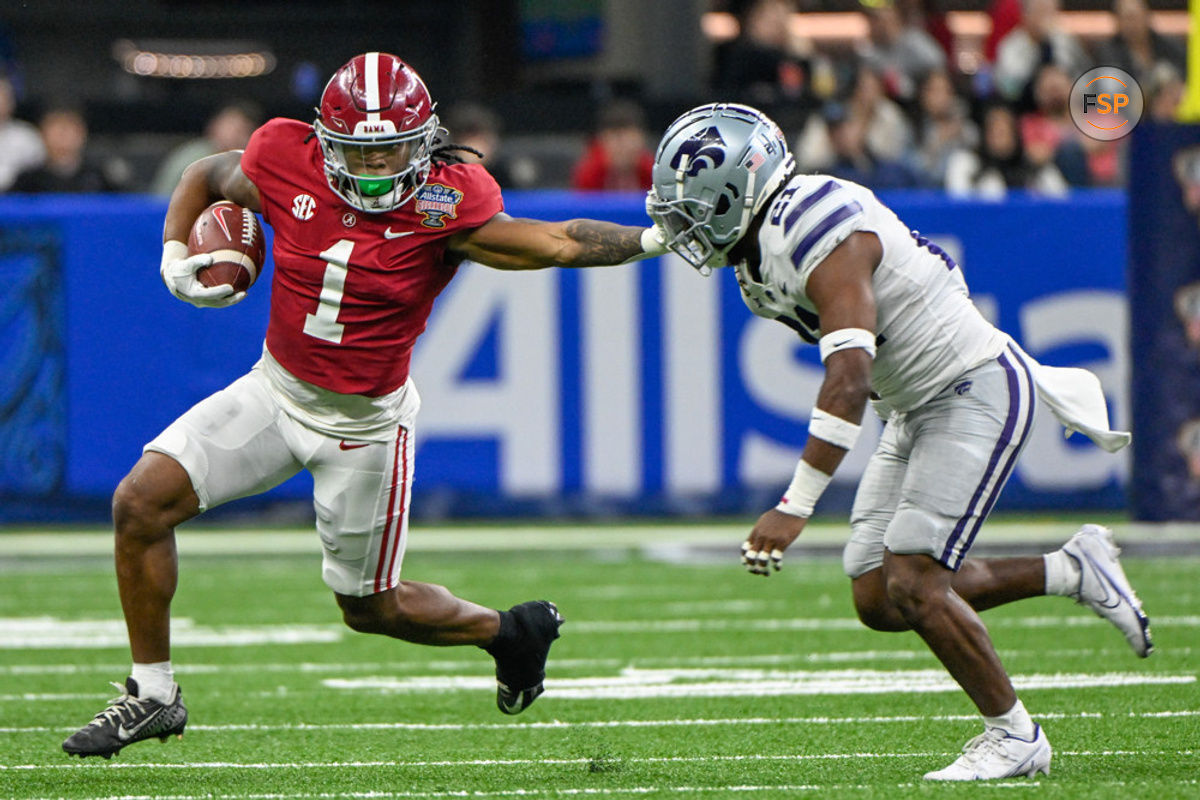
[635, 389]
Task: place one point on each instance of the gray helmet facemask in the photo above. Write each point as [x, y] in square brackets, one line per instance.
[714, 169]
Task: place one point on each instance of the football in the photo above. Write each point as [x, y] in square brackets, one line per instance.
[234, 238]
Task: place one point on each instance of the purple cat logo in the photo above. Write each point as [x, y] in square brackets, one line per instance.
[704, 150]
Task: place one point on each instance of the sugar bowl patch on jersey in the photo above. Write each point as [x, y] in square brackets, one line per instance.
[437, 203]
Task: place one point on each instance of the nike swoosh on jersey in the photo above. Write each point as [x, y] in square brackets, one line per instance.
[342, 445]
[388, 233]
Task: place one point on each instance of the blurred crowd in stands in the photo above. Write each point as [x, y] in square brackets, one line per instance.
[900, 114]
[894, 111]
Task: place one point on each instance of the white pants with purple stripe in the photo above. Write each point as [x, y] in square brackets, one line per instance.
[240, 442]
[939, 468]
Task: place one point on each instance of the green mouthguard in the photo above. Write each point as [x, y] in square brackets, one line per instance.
[374, 187]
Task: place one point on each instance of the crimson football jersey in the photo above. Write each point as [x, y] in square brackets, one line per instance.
[352, 291]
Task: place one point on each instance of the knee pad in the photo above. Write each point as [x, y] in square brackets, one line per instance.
[915, 531]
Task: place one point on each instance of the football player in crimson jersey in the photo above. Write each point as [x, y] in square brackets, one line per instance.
[372, 214]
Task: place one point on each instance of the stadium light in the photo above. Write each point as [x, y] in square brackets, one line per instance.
[194, 60]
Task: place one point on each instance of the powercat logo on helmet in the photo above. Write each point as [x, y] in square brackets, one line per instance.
[705, 149]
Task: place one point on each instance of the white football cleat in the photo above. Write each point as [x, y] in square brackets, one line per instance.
[995, 754]
[1104, 588]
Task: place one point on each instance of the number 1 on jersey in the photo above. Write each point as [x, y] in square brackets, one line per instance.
[324, 324]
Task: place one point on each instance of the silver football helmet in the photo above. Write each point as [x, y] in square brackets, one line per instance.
[714, 169]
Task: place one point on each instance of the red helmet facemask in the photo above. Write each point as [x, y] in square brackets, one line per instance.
[376, 128]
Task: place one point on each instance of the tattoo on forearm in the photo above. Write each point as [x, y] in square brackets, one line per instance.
[603, 242]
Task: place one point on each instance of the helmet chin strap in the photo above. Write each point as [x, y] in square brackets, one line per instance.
[704, 269]
[680, 174]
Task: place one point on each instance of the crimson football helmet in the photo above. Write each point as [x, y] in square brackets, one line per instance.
[376, 128]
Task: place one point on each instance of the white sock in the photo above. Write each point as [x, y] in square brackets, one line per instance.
[155, 681]
[1015, 721]
[1062, 573]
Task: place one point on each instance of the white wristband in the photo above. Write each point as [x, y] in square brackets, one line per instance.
[846, 339]
[835, 430]
[802, 493]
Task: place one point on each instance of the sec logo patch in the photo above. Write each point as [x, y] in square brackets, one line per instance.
[303, 207]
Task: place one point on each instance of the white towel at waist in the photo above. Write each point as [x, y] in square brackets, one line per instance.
[1077, 400]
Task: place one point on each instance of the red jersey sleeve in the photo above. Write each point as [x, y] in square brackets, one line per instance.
[266, 161]
[458, 196]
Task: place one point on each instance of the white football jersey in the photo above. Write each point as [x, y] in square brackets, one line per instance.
[928, 332]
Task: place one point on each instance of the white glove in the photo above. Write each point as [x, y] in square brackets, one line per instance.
[654, 241]
[178, 271]
[654, 238]
[653, 244]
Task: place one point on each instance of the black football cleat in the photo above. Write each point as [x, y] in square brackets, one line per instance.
[521, 665]
[128, 719]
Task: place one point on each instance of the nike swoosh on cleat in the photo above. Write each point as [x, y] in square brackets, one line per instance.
[513, 707]
[388, 233]
[1112, 597]
[125, 734]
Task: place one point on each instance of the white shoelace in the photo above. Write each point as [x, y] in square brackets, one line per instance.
[120, 709]
[985, 744]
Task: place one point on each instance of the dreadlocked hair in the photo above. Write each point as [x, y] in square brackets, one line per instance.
[445, 152]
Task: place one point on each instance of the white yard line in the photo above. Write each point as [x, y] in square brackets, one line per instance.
[833, 624]
[22, 633]
[557, 725]
[638, 684]
[200, 540]
[518, 762]
[19, 633]
[479, 665]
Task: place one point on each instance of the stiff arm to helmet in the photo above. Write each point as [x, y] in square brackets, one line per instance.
[714, 169]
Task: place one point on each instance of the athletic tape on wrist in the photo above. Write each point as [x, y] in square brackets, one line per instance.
[652, 242]
[802, 493]
[846, 339]
[173, 250]
[835, 430]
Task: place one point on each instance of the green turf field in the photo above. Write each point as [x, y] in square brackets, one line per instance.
[671, 680]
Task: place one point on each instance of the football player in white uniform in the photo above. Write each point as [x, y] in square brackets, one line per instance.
[895, 326]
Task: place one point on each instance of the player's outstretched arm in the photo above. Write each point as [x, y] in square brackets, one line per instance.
[504, 242]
